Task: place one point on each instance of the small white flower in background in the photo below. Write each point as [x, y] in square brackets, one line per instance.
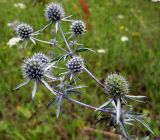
[120, 16]
[13, 25]
[155, 0]
[20, 5]
[10, 24]
[101, 51]
[13, 41]
[124, 38]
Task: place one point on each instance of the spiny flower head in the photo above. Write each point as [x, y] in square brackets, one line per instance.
[54, 12]
[33, 68]
[24, 30]
[116, 84]
[75, 64]
[78, 27]
[41, 57]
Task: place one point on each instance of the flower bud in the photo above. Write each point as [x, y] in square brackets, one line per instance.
[33, 68]
[116, 84]
[75, 64]
[24, 31]
[54, 12]
[78, 27]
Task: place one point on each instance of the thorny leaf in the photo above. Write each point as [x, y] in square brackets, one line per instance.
[54, 99]
[143, 123]
[58, 58]
[83, 49]
[59, 105]
[76, 87]
[118, 110]
[104, 105]
[124, 130]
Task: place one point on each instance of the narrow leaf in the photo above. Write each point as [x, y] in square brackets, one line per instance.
[84, 49]
[135, 97]
[48, 86]
[34, 42]
[104, 105]
[23, 84]
[57, 26]
[77, 87]
[144, 124]
[59, 106]
[118, 110]
[50, 66]
[52, 102]
[124, 131]
[58, 58]
[34, 90]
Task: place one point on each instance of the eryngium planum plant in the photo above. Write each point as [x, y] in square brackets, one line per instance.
[38, 69]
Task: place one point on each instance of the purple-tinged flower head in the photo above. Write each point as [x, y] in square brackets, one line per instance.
[78, 27]
[33, 69]
[36, 69]
[54, 12]
[42, 58]
[75, 64]
[24, 31]
[116, 84]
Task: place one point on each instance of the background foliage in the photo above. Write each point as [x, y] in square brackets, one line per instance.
[107, 21]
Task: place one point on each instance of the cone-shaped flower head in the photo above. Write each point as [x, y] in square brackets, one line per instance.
[116, 84]
[54, 12]
[78, 27]
[41, 57]
[75, 64]
[33, 68]
[24, 31]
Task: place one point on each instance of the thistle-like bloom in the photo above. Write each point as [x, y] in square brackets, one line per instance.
[35, 69]
[118, 89]
[24, 31]
[117, 85]
[54, 12]
[77, 27]
[75, 65]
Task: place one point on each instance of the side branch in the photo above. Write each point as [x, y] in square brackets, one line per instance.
[103, 86]
[88, 106]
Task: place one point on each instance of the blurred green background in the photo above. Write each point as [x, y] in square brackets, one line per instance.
[126, 36]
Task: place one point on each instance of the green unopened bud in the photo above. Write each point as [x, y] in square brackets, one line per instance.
[116, 84]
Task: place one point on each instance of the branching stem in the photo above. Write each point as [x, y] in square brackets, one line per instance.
[71, 52]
